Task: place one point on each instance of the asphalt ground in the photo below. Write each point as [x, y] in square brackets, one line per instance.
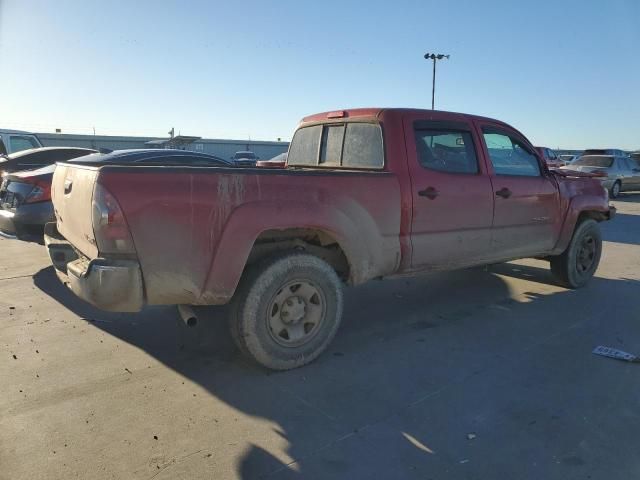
[477, 374]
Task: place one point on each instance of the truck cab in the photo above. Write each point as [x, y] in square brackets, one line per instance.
[12, 141]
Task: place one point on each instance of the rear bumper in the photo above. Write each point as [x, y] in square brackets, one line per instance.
[112, 285]
[25, 217]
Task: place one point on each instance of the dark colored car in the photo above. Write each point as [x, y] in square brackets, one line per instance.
[25, 201]
[39, 157]
[366, 193]
[245, 159]
[25, 197]
[25, 193]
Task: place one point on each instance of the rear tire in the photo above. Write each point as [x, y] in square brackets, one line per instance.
[615, 189]
[286, 311]
[578, 263]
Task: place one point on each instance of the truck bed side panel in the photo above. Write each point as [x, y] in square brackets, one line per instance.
[193, 229]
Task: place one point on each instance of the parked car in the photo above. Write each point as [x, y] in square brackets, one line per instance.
[25, 197]
[606, 151]
[549, 157]
[25, 202]
[367, 193]
[566, 159]
[39, 157]
[244, 159]
[617, 173]
[12, 141]
[279, 161]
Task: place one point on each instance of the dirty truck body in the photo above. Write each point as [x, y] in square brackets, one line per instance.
[367, 193]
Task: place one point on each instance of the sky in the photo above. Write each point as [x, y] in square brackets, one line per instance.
[565, 73]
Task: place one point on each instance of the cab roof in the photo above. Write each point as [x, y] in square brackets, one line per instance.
[378, 113]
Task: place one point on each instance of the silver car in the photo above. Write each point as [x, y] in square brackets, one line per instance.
[619, 173]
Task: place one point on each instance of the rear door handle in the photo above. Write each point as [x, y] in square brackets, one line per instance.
[504, 193]
[68, 185]
[429, 192]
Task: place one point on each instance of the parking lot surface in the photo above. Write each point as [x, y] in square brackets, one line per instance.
[478, 374]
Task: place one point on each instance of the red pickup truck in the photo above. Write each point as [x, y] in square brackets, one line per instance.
[366, 193]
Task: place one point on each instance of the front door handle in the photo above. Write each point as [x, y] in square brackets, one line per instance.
[504, 193]
[429, 192]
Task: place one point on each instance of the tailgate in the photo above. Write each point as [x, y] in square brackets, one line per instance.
[72, 195]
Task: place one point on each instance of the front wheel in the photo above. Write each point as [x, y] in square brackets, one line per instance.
[578, 263]
[287, 310]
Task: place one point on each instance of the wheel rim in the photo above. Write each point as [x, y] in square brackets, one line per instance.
[616, 189]
[586, 254]
[296, 313]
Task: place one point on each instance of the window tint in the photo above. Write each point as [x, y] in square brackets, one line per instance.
[509, 156]
[363, 146]
[446, 151]
[304, 146]
[331, 145]
[350, 145]
[551, 154]
[19, 143]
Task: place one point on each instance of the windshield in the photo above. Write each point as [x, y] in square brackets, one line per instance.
[594, 161]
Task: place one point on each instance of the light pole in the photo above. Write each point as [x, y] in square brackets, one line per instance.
[434, 57]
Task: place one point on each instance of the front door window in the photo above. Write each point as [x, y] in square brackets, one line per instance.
[509, 156]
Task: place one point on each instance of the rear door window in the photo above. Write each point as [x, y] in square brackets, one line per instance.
[446, 151]
[347, 145]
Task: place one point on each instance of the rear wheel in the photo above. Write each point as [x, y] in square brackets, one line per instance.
[615, 190]
[578, 263]
[287, 310]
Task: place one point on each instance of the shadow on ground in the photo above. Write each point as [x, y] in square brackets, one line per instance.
[401, 341]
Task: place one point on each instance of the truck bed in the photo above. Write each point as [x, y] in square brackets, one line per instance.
[194, 227]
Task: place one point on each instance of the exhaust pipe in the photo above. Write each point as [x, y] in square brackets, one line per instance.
[187, 315]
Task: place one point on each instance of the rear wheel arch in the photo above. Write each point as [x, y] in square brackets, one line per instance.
[315, 241]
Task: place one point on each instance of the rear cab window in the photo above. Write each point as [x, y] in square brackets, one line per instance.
[347, 145]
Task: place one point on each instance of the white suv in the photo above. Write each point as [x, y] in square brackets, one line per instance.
[12, 141]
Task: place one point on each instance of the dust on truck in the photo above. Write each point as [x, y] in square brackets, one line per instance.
[366, 193]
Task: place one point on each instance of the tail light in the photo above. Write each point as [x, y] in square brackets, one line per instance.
[109, 225]
[41, 191]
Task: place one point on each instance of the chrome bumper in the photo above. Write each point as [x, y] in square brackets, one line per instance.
[112, 285]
